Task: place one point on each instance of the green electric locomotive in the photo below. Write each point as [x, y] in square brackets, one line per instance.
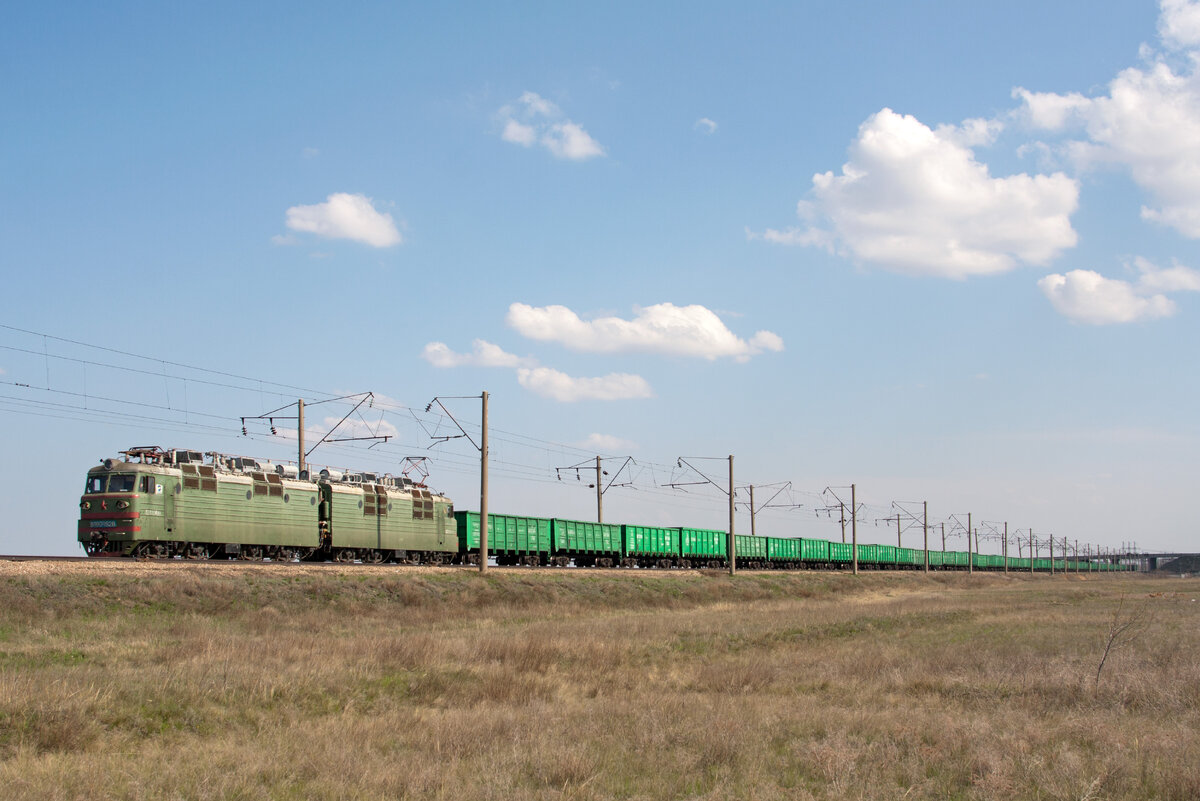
[169, 503]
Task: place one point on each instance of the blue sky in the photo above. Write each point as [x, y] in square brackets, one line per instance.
[945, 251]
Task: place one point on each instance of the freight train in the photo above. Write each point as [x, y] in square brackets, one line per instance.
[156, 503]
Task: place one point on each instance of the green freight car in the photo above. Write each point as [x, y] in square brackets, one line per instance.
[815, 552]
[910, 557]
[784, 552]
[512, 540]
[650, 546]
[841, 553]
[751, 551]
[703, 547]
[587, 544]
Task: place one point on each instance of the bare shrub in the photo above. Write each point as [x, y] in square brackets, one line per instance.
[1125, 626]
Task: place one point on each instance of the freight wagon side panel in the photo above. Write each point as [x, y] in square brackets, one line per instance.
[507, 534]
[750, 547]
[840, 552]
[650, 541]
[570, 537]
[783, 549]
[814, 550]
[703, 542]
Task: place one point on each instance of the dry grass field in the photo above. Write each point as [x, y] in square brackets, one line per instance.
[187, 681]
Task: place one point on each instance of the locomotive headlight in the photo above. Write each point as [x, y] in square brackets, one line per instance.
[122, 504]
[86, 505]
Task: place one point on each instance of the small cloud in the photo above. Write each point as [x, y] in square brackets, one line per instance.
[533, 119]
[483, 354]
[1170, 279]
[518, 134]
[1086, 296]
[566, 140]
[310, 153]
[284, 240]
[559, 386]
[606, 443]
[663, 328]
[705, 125]
[346, 216]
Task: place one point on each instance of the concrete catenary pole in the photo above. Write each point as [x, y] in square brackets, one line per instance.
[843, 508]
[300, 434]
[483, 489]
[925, 528]
[1052, 554]
[752, 529]
[732, 539]
[970, 558]
[1005, 546]
[898, 545]
[854, 528]
[599, 494]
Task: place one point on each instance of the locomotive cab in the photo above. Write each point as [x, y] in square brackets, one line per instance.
[122, 502]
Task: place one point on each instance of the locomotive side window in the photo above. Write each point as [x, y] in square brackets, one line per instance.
[95, 484]
[146, 485]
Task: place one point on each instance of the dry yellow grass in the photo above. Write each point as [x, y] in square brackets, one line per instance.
[203, 681]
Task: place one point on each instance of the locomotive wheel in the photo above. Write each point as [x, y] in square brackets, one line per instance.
[194, 550]
[291, 554]
[250, 553]
[94, 547]
[344, 555]
[372, 557]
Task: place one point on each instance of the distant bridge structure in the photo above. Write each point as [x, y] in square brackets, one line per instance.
[1155, 560]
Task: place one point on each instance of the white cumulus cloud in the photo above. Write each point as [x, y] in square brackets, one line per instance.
[1148, 122]
[705, 125]
[1179, 23]
[915, 200]
[345, 216]
[556, 385]
[483, 354]
[533, 119]
[1086, 296]
[662, 328]
[518, 133]
[567, 140]
[1175, 278]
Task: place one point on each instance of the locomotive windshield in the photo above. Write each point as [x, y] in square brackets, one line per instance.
[119, 482]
